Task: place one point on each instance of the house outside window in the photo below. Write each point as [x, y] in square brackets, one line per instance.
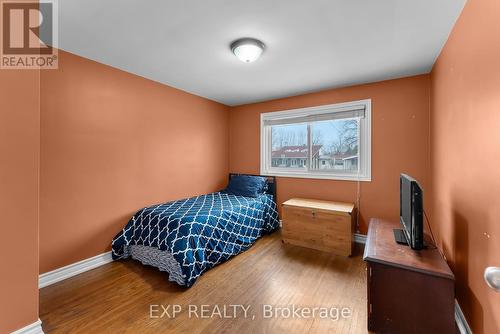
[325, 142]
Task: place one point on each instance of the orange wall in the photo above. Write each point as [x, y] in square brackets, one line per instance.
[113, 142]
[19, 170]
[400, 143]
[465, 154]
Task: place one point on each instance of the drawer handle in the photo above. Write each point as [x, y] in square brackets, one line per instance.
[313, 214]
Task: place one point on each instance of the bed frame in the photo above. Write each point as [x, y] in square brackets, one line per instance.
[271, 183]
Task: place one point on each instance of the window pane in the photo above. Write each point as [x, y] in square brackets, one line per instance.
[335, 145]
[289, 146]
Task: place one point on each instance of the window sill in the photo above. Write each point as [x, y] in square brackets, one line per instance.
[319, 176]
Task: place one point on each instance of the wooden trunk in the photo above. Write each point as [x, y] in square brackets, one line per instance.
[323, 225]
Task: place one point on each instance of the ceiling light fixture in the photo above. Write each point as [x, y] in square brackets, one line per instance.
[247, 49]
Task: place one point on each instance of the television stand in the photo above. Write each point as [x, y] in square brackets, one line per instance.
[409, 291]
[399, 236]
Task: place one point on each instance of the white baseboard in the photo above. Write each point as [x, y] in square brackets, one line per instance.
[462, 324]
[73, 269]
[34, 328]
[360, 238]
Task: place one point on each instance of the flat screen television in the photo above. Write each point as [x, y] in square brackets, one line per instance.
[411, 213]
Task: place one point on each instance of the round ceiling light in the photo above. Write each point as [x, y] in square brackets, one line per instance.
[247, 49]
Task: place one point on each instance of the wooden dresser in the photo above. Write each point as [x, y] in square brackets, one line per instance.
[322, 225]
[408, 291]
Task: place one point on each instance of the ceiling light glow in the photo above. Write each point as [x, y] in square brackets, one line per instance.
[247, 49]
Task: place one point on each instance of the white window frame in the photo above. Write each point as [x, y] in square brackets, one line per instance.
[364, 171]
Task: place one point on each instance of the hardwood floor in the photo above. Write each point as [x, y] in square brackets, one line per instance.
[116, 298]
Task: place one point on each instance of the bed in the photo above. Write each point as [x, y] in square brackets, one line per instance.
[187, 237]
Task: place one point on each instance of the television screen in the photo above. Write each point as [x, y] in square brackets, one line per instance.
[405, 205]
[411, 211]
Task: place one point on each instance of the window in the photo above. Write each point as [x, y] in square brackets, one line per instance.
[325, 142]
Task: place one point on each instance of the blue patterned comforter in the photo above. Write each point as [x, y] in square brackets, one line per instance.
[199, 232]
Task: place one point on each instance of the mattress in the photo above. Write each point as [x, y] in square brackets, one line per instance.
[187, 237]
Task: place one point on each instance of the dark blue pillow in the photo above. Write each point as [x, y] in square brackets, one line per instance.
[247, 185]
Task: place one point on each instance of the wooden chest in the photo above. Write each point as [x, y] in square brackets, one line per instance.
[322, 225]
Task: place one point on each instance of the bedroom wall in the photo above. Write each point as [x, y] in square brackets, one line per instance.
[465, 132]
[19, 176]
[112, 143]
[400, 142]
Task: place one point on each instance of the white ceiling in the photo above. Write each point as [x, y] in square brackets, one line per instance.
[311, 44]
